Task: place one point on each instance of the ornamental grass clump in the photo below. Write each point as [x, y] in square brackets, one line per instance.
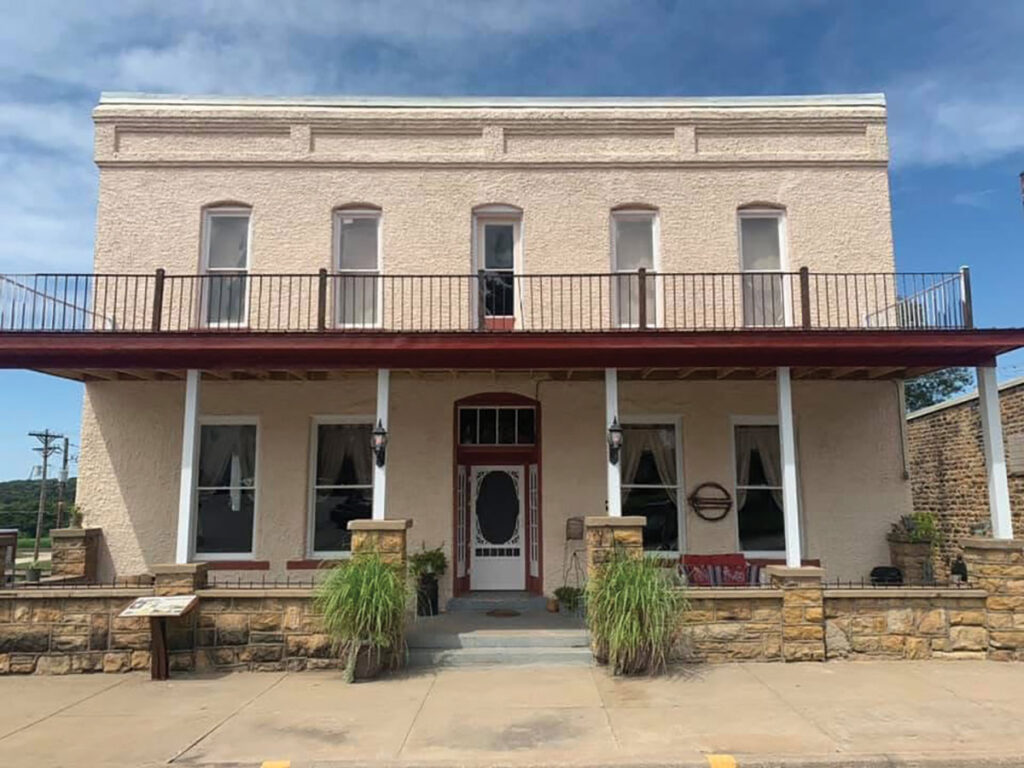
[635, 612]
[363, 602]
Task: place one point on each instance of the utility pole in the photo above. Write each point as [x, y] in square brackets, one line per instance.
[47, 438]
[63, 484]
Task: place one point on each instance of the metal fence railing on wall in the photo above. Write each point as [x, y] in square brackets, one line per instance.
[488, 301]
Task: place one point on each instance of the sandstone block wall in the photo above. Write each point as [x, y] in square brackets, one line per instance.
[59, 632]
[733, 625]
[863, 624]
[947, 469]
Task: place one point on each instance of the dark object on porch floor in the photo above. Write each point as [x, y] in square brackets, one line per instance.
[886, 574]
[503, 613]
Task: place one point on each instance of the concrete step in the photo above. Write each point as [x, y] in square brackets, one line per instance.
[527, 638]
[473, 657]
[482, 602]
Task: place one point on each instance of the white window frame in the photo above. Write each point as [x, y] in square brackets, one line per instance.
[637, 214]
[357, 213]
[676, 421]
[499, 214]
[227, 421]
[752, 421]
[316, 422]
[208, 215]
[779, 215]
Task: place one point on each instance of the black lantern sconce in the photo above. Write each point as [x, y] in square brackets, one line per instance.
[614, 441]
[379, 443]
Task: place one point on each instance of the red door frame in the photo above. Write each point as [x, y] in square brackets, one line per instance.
[512, 455]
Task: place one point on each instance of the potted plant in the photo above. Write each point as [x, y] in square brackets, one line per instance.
[635, 613]
[33, 571]
[911, 540]
[570, 599]
[363, 603]
[425, 567]
[74, 516]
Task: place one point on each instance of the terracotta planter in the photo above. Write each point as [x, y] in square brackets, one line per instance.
[552, 605]
[913, 558]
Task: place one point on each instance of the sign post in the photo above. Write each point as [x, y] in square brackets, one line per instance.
[158, 610]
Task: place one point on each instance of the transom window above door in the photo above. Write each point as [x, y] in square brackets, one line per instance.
[497, 426]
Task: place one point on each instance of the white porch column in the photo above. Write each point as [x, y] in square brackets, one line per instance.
[787, 445]
[189, 451]
[995, 458]
[380, 474]
[611, 413]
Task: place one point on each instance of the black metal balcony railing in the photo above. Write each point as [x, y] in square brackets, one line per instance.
[488, 301]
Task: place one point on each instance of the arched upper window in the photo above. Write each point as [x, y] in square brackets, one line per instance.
[635, 244]
[357, 261]
[762, 255]
[498, 253]
[227, 234]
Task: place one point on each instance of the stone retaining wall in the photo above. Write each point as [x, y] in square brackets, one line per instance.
[732, 625]
[905, 624]
[60, 631]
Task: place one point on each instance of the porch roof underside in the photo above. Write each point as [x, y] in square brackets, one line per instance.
[706, 354]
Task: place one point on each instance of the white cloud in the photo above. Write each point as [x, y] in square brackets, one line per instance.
[980, 198]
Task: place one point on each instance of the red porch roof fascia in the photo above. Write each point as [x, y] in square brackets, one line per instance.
[485, 350]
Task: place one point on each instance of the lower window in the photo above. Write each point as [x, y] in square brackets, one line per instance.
[650, 482]
[226, 489]
[759, 489]
[342, 485]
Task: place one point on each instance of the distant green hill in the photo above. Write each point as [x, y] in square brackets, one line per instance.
[19, 500]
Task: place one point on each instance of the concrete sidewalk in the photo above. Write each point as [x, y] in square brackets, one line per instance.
[857, 713]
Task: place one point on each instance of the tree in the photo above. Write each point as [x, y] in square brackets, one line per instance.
[935, 387]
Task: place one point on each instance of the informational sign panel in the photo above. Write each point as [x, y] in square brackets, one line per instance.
[161, 607]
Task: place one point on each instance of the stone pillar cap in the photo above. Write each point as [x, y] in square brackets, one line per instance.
[787, 572]
[979, 542]
[379, 525]
[171, 569]
[607, 521]
[74, 533]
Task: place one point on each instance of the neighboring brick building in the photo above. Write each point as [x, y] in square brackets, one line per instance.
[947, 466]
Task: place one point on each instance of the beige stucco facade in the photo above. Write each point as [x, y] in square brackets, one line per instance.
[851, 480]
[427, 167]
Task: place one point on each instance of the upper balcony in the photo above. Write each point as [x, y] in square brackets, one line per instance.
[487, 319]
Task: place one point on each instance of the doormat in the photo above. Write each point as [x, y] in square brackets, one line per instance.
[503, 613]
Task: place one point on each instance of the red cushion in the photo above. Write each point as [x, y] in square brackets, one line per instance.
[715, 570]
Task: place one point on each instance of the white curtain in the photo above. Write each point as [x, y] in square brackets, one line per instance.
[659, 441]
[765, 441]
[337, 443]
[227, 450]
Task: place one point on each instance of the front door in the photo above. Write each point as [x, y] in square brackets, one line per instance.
[497, 545]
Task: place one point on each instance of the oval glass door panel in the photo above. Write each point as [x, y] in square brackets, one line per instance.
[497, 508]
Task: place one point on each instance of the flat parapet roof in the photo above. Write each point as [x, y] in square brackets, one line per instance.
[118, 98]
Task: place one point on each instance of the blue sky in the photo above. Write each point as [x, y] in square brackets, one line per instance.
[953, 73]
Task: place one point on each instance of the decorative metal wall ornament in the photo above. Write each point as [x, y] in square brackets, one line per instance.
[710, 501]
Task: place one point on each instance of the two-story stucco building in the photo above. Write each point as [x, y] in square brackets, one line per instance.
[491, 316]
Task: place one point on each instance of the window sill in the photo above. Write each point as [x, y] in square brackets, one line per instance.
[237, 565]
